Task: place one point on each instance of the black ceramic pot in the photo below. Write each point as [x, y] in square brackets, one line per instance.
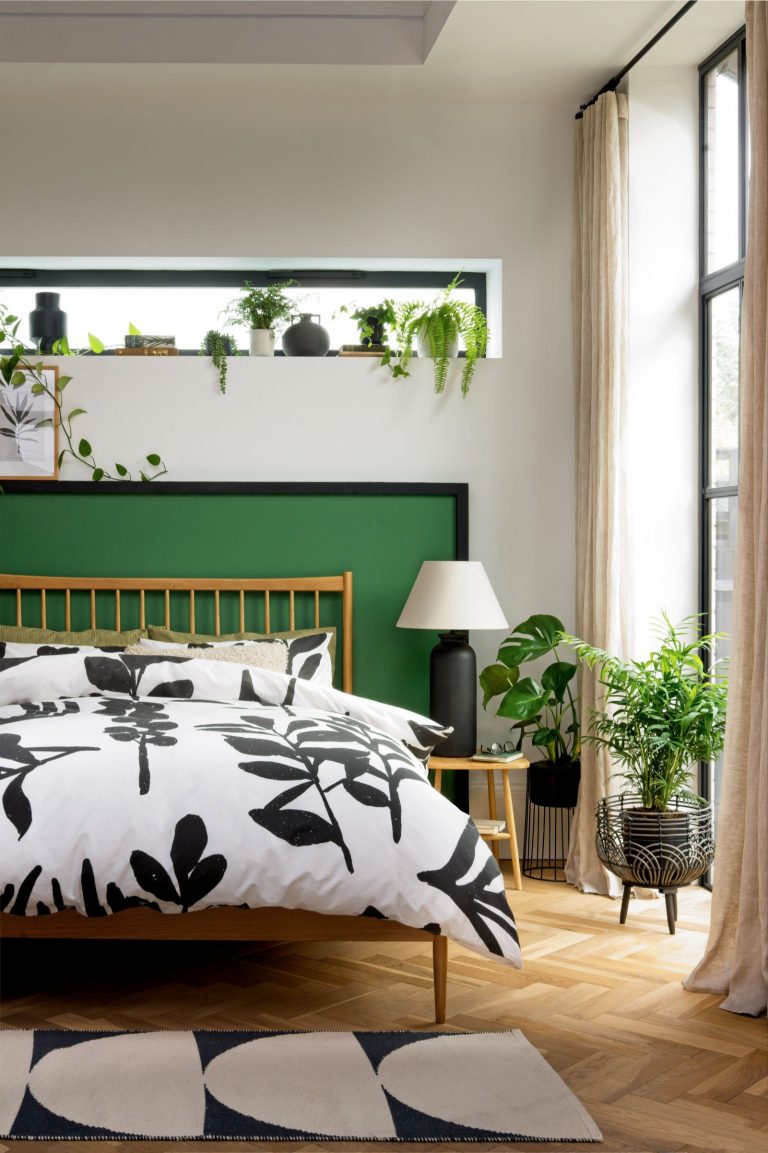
[306, 337]
[47, 322]
[554, 786]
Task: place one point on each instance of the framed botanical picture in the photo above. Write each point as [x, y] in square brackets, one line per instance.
[29, 429]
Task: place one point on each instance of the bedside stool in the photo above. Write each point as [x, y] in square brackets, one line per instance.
[439, 765]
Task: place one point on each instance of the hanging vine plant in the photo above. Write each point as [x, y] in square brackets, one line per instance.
[16, 368]
[219, 345]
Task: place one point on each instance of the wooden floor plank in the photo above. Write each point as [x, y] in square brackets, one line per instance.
[660, 1069]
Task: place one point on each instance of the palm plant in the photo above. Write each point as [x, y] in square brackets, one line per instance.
[662, 715]
[440, 325]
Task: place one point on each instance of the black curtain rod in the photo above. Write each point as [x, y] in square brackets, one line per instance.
[614, 82]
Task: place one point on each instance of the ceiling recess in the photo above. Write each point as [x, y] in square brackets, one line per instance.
[395, 32]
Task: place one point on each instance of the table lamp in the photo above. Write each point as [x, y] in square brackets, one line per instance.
[451, 597]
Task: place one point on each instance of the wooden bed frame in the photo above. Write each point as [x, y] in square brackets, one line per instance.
[222, 923]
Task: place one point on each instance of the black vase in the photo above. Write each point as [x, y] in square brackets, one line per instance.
[47, 322]
[306, 337]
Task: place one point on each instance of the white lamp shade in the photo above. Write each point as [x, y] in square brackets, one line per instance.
[452, 594]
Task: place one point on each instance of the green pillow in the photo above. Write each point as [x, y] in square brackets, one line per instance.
[157, 634]
[23, 635]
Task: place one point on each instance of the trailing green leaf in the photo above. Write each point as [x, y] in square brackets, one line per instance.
[17, 369]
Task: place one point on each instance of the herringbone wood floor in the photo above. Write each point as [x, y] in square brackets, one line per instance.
[661, 1070]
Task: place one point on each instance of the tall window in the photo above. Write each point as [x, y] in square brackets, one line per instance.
[722, 241]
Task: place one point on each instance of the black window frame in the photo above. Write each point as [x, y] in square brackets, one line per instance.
[58, 278]
[711, 285]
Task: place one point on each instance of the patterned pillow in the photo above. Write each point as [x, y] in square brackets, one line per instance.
[310, 651]
[272, 654]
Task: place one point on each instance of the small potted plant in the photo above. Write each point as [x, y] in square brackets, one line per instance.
[545, 710]
[373, 322]
[219, 345]
[436, 329]
[661, 718]
[261, 311]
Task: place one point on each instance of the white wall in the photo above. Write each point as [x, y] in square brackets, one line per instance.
[663, 346]
[197, 176]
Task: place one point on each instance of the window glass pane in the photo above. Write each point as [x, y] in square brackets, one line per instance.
[722, 164]
[188, 313]
[724, 346]
[723, 517]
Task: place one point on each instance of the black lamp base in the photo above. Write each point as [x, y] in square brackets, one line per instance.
[453, 693]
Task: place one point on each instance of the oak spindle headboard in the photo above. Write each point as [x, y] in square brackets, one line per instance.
[232, 598]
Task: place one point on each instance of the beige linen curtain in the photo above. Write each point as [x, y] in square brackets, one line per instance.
[600, 369]
[736, 958]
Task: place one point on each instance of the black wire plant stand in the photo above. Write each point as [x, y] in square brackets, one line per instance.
[663, 851]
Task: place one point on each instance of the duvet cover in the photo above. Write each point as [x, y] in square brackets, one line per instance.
[176, 783]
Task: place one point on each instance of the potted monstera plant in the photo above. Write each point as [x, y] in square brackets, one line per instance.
[661, 717]
[546, 710]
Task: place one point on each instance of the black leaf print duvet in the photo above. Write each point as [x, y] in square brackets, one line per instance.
[179, 783]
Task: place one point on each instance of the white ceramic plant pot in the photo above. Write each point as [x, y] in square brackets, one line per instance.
[423, 349]
[262, 342]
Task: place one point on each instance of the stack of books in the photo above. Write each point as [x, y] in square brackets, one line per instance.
[362, 350]
[488, 826]
[497, 758]
[141, 345]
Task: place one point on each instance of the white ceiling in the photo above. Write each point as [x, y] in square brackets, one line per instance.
[500, 51]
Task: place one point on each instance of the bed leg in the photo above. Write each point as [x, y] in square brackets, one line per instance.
[440, 976]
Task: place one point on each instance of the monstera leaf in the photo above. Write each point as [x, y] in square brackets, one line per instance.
[530, 639]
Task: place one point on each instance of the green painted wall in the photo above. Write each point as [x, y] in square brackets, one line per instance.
[381, 538]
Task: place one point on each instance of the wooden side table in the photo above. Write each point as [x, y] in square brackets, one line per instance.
[439, 765]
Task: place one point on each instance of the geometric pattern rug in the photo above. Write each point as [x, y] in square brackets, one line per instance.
[282, 1086]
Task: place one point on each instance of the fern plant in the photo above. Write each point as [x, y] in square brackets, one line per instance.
[440, 325]
[260, 308]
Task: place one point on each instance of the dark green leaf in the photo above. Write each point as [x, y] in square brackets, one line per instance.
[121, 470]
[153, 459]
[523, 701]
[496, 679]
[97, 474]
[530, 639]
[544, 737]
[84, 448]
[556, 677]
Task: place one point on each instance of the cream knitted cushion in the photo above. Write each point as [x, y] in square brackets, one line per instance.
[271, 655]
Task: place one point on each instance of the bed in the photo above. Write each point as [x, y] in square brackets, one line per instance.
[379, 757]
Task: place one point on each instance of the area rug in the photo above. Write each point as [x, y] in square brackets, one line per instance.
[277, 1086]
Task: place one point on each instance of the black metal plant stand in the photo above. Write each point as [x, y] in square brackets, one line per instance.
[551, 792]
[663, 851]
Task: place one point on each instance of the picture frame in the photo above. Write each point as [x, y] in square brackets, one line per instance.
[28, 451]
